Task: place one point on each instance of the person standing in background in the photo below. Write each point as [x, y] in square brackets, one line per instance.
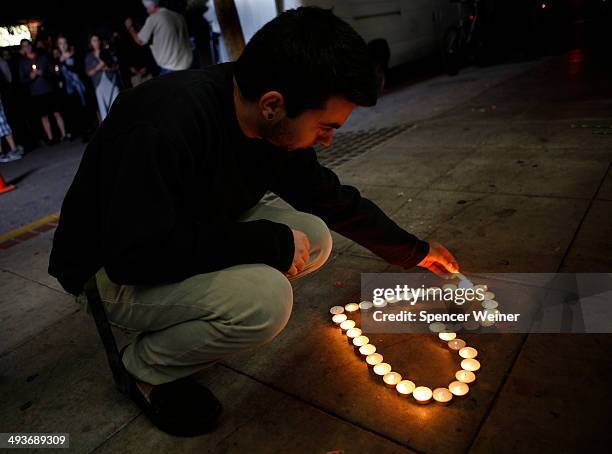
[166, 33]
[68, 69]
[15, 152]
[36, 73]
[103, 70]
[71, 85]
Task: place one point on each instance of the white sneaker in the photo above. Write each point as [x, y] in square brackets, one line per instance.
[10, 156]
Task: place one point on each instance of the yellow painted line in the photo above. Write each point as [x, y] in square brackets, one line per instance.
[27, 228]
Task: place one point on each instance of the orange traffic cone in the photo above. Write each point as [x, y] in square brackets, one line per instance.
[5, 187]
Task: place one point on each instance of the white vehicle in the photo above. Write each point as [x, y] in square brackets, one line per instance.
[407, 30]
[412, 29]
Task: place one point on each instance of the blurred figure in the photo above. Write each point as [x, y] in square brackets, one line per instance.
[15, 99]
[101, 66]
[37, 75]
[136, 64]
[15, 152]
[68, 69]
[5, 72]
[200, 34]
[74, 94]
[167, 34]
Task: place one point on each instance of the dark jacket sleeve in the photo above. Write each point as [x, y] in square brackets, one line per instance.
[308, 186]
[149, 239]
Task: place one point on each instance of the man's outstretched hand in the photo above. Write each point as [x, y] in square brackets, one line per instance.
[301, 254]
[440, 261]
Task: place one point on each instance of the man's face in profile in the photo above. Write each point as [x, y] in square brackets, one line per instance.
[311, 127]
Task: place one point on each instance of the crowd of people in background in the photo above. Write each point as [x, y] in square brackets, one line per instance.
[51, 92]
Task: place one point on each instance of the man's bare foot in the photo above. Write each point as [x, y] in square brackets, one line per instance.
[145, 389]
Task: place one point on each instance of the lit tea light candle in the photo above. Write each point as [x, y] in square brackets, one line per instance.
[483, 287]
[487, 323]
[336, 310]
[351, 307]
[458, 388]
[470, 364]
[405, 388]
[447, 336]
[456, 344]
[442, 395]
[379, 304]
[422, 394]
[368, 349]
[347, 324]
[382, 369]
[465, 376]
[365, 305]
[437, 327]
[374, 359]
[360, 341]
[392, 300]
[339, 318]
[353, 333]
[489, 295]
[391, 379]
[468, 352]
[490, 304]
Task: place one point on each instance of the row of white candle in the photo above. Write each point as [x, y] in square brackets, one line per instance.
[422, 394]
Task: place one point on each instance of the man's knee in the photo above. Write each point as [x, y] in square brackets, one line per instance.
[268, 300]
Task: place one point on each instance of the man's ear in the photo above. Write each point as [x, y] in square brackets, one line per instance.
[272, 106]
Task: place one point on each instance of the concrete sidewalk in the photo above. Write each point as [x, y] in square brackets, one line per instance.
[515, 179]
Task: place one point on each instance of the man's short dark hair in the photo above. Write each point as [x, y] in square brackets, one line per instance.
[308, 55]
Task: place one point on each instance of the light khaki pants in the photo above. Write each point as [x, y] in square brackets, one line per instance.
[186, 326]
